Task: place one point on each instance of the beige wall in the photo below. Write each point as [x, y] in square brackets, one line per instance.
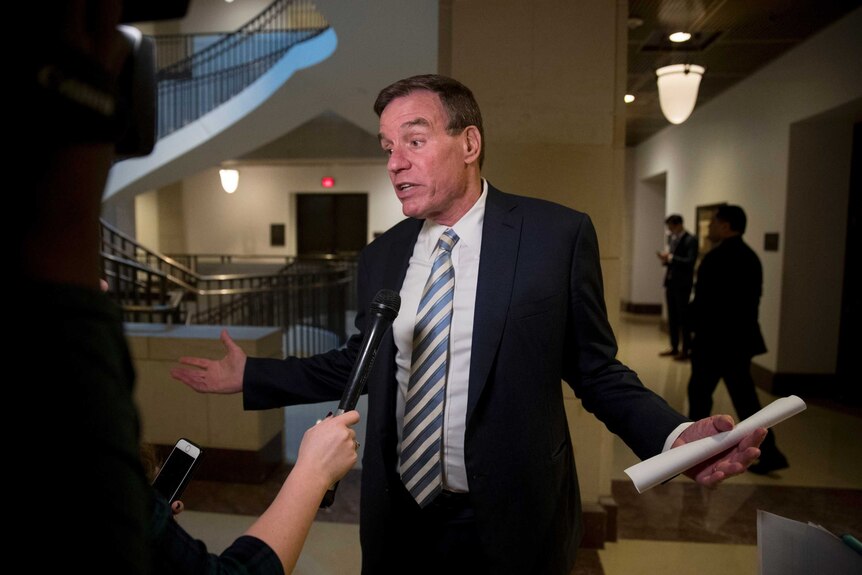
[239, 223]
[551, 99]
[754, 145]
[170, 410]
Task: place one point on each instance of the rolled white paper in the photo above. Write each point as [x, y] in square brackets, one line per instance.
[664, 466]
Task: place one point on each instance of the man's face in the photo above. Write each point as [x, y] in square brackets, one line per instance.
[717, 230]
[426, 165]
[675, 229]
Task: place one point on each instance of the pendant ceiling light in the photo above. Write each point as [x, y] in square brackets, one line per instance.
[677, 90]
[229, 180]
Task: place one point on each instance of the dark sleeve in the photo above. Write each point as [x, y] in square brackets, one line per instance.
[174, 551]
[688, 254]
[606, 387]
[77, 391]
[269, 383]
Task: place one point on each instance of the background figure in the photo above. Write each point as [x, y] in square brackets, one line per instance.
[679, 258]
[490, 484]
[726, 329]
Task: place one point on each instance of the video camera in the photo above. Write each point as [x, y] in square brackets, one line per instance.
[136, 93]
[78, 102]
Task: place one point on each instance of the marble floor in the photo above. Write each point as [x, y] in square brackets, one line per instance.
[678, 527]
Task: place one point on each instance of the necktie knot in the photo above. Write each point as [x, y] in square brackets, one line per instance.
[447, 240]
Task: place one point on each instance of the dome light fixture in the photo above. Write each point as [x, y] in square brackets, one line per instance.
[229, 180]
[679, 37]
[677, 90]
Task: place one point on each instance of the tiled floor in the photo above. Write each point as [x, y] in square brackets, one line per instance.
[674, 528]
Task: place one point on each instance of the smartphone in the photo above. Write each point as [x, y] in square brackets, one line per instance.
[175, 474]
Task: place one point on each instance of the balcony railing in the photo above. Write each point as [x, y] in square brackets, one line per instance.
[310, 298]
[198, 73]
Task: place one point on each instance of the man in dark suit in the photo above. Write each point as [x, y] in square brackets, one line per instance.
[726, 330]
[499, 493]
[679, 259]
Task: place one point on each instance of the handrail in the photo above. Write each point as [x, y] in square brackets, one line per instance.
[309, 298]
[258, 23]
[115, 242]
[194, 85]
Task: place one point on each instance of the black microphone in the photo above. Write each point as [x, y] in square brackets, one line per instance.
[383, 311]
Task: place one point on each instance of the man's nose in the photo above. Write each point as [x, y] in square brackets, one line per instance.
[397, 161]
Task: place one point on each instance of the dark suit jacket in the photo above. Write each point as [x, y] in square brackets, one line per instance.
[726, 302]
[680, 270]
[540, 317]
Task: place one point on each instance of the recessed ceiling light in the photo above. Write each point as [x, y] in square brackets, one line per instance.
[679, 37]
[629, 98]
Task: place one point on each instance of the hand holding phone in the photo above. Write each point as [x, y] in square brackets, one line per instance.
[175, 474]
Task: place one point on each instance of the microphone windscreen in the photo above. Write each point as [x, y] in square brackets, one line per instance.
[388, 299]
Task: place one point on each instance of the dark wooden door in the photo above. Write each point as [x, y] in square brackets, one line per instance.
[331, 223]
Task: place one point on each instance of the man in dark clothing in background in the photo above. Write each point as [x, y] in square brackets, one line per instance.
[726, 330]
[679, 259]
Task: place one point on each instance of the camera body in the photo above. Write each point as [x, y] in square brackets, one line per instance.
[135, 98]
[135, 119]
[76, 100]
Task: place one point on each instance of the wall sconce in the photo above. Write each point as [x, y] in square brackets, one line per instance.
[677, 90]
[229, 180]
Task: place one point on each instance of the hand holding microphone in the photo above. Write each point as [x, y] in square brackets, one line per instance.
[382, 311]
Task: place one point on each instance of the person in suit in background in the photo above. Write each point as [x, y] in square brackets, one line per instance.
[679, 259]
[491, 487]
[726, 329]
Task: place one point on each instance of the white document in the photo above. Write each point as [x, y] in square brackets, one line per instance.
[664, 466]
[788, 547]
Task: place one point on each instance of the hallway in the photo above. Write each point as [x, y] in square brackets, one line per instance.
[678, 527]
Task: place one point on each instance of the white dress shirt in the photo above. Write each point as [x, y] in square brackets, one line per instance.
[465, 260]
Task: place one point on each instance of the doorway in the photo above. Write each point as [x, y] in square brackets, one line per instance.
[331, 223]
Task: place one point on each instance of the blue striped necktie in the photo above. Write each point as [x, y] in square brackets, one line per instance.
[422, 431]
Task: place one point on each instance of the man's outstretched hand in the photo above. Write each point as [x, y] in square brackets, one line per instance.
[732, 462]
[214, 376]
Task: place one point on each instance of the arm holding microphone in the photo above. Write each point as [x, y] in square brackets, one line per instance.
[382, 312]
[323, 375]
[226, 375]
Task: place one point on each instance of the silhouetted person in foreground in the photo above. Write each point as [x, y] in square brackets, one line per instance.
[80, 494]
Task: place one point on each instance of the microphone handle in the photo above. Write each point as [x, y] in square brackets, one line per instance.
[367, 354]
[380, 323]
[329, 496]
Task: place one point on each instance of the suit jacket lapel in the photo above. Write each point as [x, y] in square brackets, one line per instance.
[501, 234]
[400, 250]
[680, 242]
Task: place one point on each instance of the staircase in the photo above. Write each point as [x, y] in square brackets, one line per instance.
[309, 298]
[365, 46]
[209, 84]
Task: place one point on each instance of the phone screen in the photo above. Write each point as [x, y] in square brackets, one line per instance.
[174, 475]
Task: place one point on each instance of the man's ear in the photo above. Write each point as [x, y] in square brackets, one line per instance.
[472, 144]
